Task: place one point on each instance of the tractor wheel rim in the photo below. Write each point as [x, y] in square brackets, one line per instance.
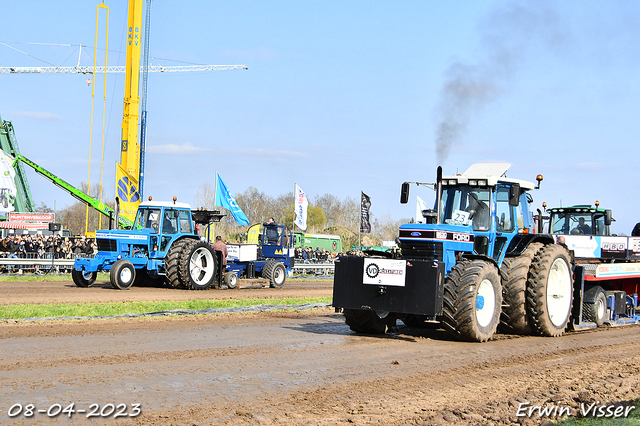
[485, 303]
[278, 276]
[201, 266]
[86, 275]
[559, 292]
[125, 275]
[601, 307]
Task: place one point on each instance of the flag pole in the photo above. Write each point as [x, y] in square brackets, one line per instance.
[215, 203]
[360, 224]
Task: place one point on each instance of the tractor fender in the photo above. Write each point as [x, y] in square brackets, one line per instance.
[473, 256]
[520, 242]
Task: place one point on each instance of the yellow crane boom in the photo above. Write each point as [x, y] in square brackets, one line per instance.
[128, 170]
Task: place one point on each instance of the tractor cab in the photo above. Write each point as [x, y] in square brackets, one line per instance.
[580, 220]
[165, 222]
[276, 240]
[478, 212]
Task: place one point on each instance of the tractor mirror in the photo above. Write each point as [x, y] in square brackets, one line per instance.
[607, 218]
[514, 194]
[176, 213]
[404, 193]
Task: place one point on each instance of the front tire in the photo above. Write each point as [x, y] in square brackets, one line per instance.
[83, 278]
[122, 275]
[197, 268]
[550, 291]
[230, 279]
[472, 301]
[368, 322]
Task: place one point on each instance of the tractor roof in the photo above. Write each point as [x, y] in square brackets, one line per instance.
[492, 172]
[165, 204]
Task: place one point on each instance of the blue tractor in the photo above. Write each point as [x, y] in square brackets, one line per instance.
[476, 264]
[162, 247]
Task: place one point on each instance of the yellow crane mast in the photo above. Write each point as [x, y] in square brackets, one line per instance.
[128, 170]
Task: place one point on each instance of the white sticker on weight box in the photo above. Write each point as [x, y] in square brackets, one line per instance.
[384, 272]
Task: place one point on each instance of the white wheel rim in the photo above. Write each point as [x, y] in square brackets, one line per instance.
[559, 293]
[601, 307]
[201, 266]
[87, 275]
[233, 278]
[485, 303]
[125, 275]
[278, 275]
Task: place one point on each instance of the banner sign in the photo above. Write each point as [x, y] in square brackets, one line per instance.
[384, 271]
[7, 184]
[301, 208]
[226, 200]
[365, 203]
[32, 217]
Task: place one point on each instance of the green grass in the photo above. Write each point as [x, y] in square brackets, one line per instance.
[632, 420]
[105, 309]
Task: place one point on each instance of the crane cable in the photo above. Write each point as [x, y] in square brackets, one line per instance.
[93, 91]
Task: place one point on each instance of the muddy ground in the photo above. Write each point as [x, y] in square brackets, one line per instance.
[295, 367]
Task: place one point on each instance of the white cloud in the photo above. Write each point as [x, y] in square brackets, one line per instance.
[185, 148]
[38, 115]
[271, 153]
[589, 166]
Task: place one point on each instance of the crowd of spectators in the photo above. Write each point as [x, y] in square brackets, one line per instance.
[308, 255]
[45, 247]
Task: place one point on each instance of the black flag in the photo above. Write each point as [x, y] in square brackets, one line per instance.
[365, 203]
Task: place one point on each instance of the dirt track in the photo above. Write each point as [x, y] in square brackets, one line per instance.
[296, 367]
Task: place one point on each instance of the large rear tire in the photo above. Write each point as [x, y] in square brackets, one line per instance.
[472, 301]
[172, 263]
[513, 319]
[275, 272]
[122, 274]
[82, 278]
[368, 322]
[550, 291]
[197, 269]
[595, 311]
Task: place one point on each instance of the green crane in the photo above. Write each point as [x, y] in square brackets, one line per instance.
[9, 144]
[75, 192]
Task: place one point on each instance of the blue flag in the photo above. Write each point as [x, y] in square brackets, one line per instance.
[226, 200]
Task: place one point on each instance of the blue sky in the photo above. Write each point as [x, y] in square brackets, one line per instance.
[342, 96]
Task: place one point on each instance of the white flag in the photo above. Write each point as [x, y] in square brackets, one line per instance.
[301, 208]
[421, 205]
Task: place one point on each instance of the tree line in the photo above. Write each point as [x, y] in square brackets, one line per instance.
[326, 214]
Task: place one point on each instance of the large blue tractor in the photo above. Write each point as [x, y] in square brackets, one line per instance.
[476, 264]
[162, 247]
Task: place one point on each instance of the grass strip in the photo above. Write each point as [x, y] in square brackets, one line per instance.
[632, 420]
[15, 278]
[106, 309]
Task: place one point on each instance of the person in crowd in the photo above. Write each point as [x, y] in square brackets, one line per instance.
[220, 246]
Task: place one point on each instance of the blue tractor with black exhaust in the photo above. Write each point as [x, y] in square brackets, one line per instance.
[476, 264]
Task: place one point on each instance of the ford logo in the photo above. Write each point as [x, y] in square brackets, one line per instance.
[415, 234]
